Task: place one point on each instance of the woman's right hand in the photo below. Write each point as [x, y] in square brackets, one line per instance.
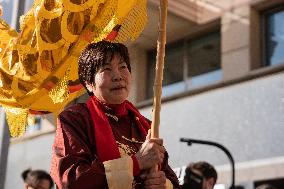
[151, 153]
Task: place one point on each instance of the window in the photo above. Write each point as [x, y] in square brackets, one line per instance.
[274, 36]
[189, 63]
[204, 61]
[34, 125]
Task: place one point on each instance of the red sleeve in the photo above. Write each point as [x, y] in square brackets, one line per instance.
[74, 165]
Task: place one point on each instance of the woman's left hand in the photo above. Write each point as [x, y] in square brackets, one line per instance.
[154, 180]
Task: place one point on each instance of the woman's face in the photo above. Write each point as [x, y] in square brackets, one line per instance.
[112, 82]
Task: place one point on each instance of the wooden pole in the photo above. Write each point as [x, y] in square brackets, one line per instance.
[159, 69]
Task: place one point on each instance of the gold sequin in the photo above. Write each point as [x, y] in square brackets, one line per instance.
[60, 92]
[17, 120]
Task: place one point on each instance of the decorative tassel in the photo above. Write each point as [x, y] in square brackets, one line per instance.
[17, 120]
[60, 93]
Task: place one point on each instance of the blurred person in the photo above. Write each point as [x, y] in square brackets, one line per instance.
[37, 179]
[1, 10]
[200, 175]
[266, 186]
[103, 143]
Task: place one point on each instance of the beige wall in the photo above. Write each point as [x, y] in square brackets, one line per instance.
[235, 42]
[241, 36]
[138, 58]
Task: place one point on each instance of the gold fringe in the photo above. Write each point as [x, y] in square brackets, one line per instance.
[134, 23]
[60, 93]
[17, 120]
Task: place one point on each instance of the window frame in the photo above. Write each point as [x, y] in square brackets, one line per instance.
[264, 33]
[186, 83]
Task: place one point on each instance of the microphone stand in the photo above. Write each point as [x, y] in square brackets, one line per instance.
[223, 148]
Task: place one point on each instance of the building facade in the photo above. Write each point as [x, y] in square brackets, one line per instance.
[223, 82]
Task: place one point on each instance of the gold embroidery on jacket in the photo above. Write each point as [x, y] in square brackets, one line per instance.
[124, 149]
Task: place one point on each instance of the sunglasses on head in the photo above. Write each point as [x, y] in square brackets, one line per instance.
[192, 181]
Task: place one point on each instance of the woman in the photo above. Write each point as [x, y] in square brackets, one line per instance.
[103, 143]
[37, 179]
[1, 11]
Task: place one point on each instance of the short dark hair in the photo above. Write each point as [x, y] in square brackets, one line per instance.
[32, 177]
[95, 56]
[207, 170]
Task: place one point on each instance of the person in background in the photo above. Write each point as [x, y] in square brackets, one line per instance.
[37, 179]
[103, 143]
[200, 175]
[266, 186]
[1, 11]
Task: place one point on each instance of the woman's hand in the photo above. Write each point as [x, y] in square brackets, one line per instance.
[151, 153]
[154, 180]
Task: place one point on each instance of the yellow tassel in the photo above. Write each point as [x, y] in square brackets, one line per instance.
[17, 120]
[134, 23]
[60, 93]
